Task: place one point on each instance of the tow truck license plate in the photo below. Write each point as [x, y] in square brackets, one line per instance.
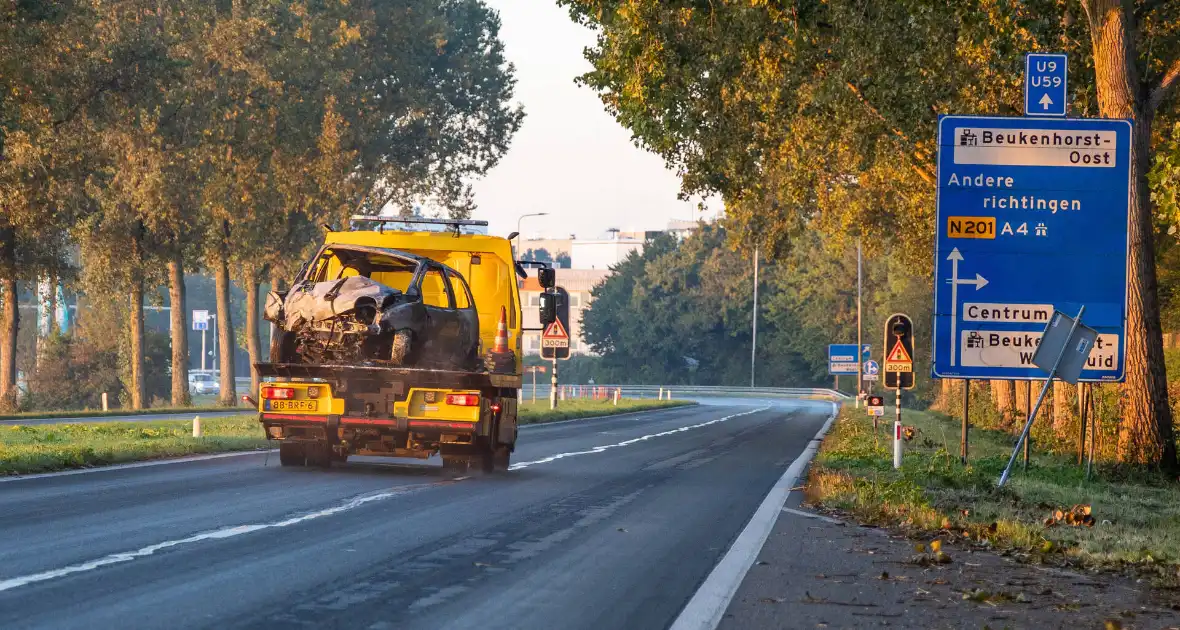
[291, 405]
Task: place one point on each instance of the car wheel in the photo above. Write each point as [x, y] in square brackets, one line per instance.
[400, 352]
[282, 350]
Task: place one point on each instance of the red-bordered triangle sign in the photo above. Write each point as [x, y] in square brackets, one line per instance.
[898, 354]
[555, 331]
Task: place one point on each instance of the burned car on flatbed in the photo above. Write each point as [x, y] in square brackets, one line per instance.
[373, 305]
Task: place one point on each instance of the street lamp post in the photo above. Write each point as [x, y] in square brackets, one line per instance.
[521, 218]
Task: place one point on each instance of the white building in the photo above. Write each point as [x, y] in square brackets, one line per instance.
[602, 253]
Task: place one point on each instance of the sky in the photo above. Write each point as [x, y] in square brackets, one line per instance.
[570, 158]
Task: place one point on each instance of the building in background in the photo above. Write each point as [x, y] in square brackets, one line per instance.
[604, 253]
[579, 283]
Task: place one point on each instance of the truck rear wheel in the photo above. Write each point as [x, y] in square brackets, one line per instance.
[292, 454]
[320, 455]
[501, 459]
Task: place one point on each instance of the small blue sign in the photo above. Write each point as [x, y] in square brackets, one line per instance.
[842, 358]
[872, 367]
[1046, 78]
[200, 326]
[1032, 219]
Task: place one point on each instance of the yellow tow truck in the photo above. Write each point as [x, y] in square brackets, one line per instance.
[322, 406]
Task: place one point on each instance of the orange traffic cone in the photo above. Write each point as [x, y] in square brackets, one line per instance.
[501, 344]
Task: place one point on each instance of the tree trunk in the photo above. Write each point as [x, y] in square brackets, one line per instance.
[1010, 395]
[225, 333]
[9, 323]
[277, 283]
[1146, 430]
[179, 329]
[1063, 410]
[253, 344]
[136, 359]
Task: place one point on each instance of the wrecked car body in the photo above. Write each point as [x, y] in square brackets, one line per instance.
[357, 304]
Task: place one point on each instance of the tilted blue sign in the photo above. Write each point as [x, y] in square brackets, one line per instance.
[1032, 217]
[1046, 79]
[842, 358]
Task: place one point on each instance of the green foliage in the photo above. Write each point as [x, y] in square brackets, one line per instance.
[694, 300]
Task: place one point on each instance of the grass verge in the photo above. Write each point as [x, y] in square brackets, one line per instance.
[92, 413]
[1137, 514]
[27, 449]
[539, 412]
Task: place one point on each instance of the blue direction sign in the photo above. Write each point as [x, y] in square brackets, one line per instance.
[842, 358]
[1032, 218]
[1045, 80]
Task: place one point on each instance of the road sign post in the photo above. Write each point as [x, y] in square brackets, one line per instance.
[899, 368]
[1064, 354]
[1032, 218]
[1045, 84]
[201, 323]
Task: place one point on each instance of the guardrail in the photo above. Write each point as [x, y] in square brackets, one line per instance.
[654, 391]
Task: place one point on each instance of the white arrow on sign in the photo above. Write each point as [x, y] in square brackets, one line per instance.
[1046, 101]
[979, 281]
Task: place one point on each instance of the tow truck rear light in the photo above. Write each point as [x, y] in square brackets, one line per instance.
[278, 393]
[463, 400]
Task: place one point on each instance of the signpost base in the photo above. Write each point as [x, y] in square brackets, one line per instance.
[897, 432]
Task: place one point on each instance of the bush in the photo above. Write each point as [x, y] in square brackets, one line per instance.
[72, 373]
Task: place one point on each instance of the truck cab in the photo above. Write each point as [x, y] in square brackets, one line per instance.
[323, 400]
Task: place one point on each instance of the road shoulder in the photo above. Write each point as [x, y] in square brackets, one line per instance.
[819, 572]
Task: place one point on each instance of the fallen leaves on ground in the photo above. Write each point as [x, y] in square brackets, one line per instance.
[1077, 516]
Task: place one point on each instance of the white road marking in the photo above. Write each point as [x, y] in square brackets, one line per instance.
[599, 449]
[238, 530]
[805, 514]
[217, 534]
[708, 604]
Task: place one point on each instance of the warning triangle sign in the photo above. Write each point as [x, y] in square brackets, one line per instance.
[898, 354]
[555, 331]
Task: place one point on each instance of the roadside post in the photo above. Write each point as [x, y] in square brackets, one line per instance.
[201, 323]
[555, 341]
[899, 369]
[1063, 353]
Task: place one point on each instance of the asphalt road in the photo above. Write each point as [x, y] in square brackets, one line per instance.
[608, 523]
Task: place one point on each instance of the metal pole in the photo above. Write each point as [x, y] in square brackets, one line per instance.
[1082, 428]
[1032, 414]
[860, 383]
[897, 429]
[203, 331]
[553, 387]
[966, 421]
[754, 344]
[534, 384]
